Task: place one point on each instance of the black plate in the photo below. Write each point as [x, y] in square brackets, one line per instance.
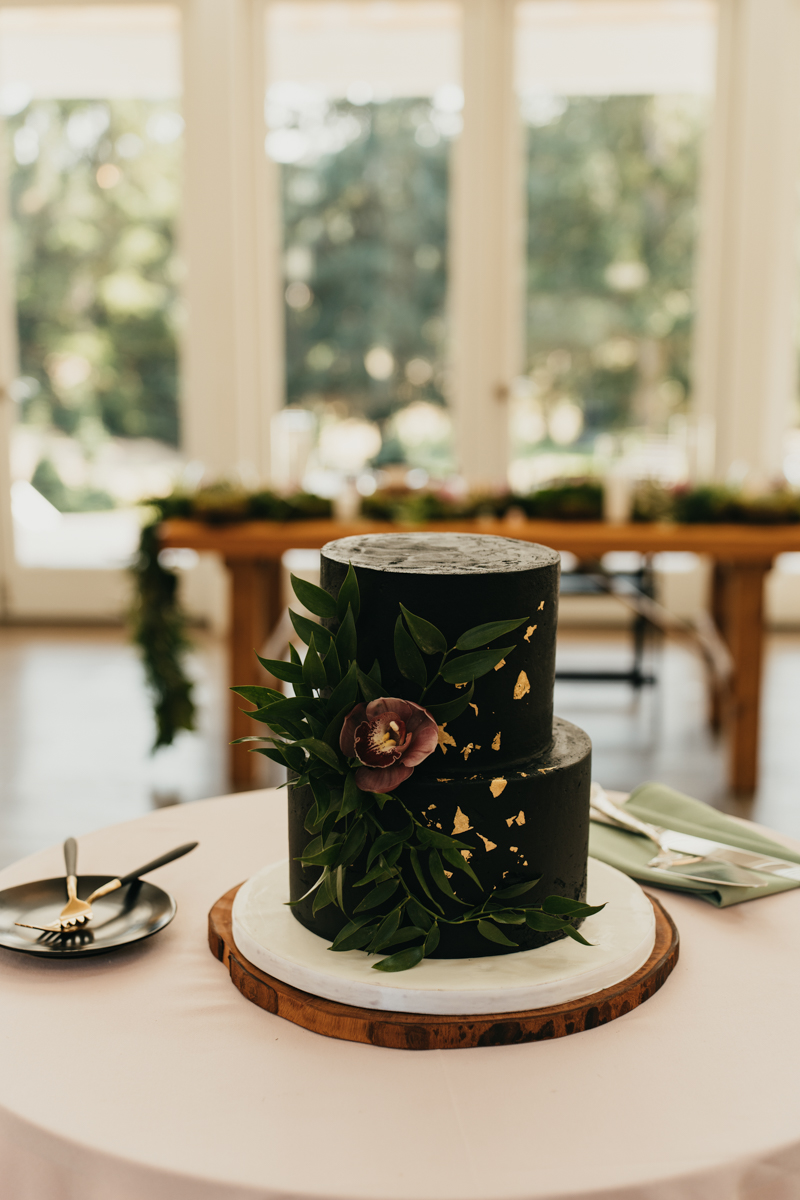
[127, 915]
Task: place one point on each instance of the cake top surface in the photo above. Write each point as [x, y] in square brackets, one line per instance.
[440, 553]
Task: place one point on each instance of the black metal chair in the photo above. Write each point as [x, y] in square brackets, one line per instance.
[591, 578]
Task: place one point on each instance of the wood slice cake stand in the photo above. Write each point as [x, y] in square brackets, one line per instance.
[415, 1031]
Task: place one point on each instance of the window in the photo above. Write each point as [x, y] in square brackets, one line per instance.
[90, 98]
[615, 99]
[363, 108]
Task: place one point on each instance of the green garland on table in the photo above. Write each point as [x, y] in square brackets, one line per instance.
[160, 626]
[347, 753]
[159, 629]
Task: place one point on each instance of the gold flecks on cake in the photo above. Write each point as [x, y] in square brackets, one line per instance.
[496, 742]
[514, 849]
[441, 781]
[497, 786]
[524, 862]
[504, 874]
[521, 818]
[531, 629]
[522, 686]
[466, 855]
[541, 606]
[438, 825]
[489, 845]
[461, 685]
[524, 774]
[449, 874]
[431, 806]
[468, 750]
[445, 739]
[461, 823]
[502, 663]
[475, 707]
[509, 821]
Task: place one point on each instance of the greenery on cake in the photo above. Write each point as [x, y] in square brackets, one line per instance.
[354, 746]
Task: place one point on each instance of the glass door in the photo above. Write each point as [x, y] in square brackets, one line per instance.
[364, 109]
[92, 129]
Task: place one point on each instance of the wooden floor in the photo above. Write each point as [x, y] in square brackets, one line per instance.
[75, 731]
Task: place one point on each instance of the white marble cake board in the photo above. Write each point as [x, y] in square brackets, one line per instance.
[267, 934]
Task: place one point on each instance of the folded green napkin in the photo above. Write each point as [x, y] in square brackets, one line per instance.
[629, 852]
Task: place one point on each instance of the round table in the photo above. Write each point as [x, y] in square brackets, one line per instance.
[144, 1073]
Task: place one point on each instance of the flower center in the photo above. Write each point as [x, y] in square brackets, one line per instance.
[380, 742]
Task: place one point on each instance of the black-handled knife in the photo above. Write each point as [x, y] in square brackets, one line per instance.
[113, 884]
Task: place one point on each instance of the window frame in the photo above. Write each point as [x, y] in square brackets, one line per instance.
[232, 349]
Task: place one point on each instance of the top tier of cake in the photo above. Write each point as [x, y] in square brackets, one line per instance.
[457, 581]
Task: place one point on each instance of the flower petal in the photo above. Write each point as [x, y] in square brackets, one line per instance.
[424, 741]
[347, 738]
[383, 780]
[407, 710]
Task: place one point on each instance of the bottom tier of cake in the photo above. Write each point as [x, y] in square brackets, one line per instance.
[531, 823]
[622, 938]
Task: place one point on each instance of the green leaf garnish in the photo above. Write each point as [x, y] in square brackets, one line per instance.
[313, 669]
[442, 713]
[288, 672]
[408, 657]
[369, 689]
[402, 961]
[348, 595]
[472, 666]
[431, 939]
[354, 935]
[387, 840]
[387, 928]
[314, 598]
[353, 844]
[516, 889]
[320, 750]
[306, 629]
[258, 695]
[481, 635]
[378, 895]
[429, 639]
[493, 934]
[561, 906]
[438, 876]
[345, 693]
[346, 641]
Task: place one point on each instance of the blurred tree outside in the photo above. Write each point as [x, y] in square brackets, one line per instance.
[611, 195]
[95, 190]
[612, 188]
[365, 236]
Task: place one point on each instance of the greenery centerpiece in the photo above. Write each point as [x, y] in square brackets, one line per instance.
[353, 745]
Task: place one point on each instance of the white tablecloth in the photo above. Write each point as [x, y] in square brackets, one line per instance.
[144, 1073]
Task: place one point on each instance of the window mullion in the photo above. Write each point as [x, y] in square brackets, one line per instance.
[8, 370]
[232, 352]
[487, 244]
[745, 352]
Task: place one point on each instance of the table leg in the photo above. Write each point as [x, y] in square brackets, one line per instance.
[718, 696]
[255, 608]
[742, 598]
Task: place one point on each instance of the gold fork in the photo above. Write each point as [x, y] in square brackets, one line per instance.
[75, 911]
[120, 881]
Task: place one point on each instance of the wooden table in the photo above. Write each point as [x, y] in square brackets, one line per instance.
[742, 556]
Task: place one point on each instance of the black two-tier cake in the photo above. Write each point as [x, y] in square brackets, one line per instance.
[508, 779]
